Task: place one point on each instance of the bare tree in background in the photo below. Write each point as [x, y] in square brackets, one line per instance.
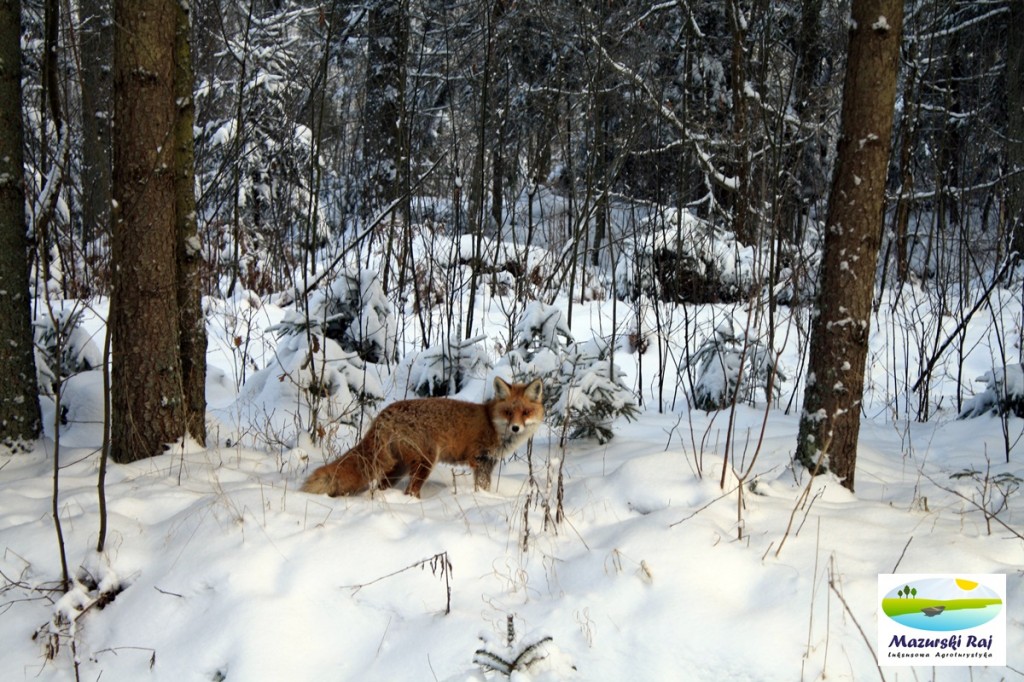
[1015, 126]
[387, 28]
[97, 43]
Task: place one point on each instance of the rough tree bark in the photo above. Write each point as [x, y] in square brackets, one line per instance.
[146, 380]
[192, 322]
[830, 421]
[97, 45]
[387, 28]
[1015, 126]
[20, 420]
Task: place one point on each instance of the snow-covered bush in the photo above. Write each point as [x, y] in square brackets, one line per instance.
[682, 258]
[355, 312]
[444, 369]
[63, 348]
[311, 382]
[539, 343]
[588, 392]
[542, 327]
[583, 388]
[1003, 394]
[732, 367]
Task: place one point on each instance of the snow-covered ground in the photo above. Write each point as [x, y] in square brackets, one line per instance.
[649, 569]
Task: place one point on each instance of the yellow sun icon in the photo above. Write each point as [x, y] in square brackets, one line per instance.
[966, 585]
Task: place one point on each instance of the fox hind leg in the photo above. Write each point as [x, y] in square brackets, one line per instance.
[392, 476]
[419, 471]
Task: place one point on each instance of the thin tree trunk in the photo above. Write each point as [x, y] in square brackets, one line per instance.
[97, 46]
[192, 326]
[1015, 126]
[387, 27]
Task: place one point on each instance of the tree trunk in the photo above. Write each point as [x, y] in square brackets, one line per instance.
[146, 380]
[801, 154]
[20, 420]
[97, 47]
[839, 335]
[192, 326]
[1015, 127]
[908, 134]
[742, 198]
[387, 27]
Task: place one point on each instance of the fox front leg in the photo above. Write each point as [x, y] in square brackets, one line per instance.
[482, 472]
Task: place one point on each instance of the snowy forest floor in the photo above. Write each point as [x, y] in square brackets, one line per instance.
[224, 571]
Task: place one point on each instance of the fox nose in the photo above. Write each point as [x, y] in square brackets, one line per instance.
[515, 428]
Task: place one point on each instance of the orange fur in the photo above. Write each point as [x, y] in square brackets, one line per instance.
[410, 436]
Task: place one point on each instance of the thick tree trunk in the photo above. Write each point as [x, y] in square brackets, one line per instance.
[146, 380]
[830, 421]
[19, 395]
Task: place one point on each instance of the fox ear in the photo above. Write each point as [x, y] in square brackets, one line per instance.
[535, 390]
[501, 389]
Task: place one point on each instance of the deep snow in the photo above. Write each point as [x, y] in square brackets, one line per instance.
[229, 573]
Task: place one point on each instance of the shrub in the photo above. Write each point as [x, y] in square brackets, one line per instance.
[1003, 394]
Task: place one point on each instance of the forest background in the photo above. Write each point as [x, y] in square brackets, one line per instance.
[379, 170]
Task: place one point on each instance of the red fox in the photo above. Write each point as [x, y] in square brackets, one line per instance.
[409, 436]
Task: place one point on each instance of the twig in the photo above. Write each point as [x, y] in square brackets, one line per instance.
[810, 613]
[439, 563]
[902, 554]
[114, 650]
[867, 642]
[989, 516]
[700, 509]
[1010, 261]
[803, 498]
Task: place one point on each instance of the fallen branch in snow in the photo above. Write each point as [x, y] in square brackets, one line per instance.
[700, 509]
[842, 600]
[114, 650]
[527, 657]
[818, 468]
[985, 490]
[439, 564]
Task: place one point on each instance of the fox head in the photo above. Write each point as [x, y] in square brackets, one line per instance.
[517, 409]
